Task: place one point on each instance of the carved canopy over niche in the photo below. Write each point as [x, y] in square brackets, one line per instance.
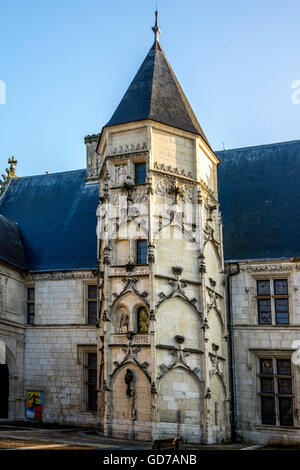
[166, 186]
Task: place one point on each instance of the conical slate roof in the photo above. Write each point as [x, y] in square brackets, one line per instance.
[155, 94]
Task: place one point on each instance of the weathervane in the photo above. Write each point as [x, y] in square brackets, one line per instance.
[155, 28]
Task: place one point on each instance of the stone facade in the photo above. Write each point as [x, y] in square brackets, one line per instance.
[253, 341]
[179, 365]
[48, 356]
[12, 337]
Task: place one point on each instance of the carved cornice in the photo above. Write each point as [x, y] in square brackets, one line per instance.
[91, 138]
[161, 168]
[271, 267]
[61, 276]
[127, 149]
[121, 271]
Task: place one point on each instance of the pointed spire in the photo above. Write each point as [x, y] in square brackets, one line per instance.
[155, 28]
[155, 94]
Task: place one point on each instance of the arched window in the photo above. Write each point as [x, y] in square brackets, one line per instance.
[142, 320]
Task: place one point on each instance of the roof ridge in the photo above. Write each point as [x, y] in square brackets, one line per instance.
[50, 174]
[284, 142]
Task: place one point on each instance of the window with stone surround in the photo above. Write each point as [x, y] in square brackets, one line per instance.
[91, 383]
[140, 173]
[141, 252]
[272, 301]
[276, 391]
[91, 303]
[87, 357]
[30, 305]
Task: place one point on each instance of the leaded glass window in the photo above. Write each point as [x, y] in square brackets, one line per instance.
[92, 304]
[272, 301]
[276, 392]
[30, 305]
[140, 173]
[142, 252]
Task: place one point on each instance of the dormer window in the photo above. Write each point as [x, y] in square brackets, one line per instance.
[140, 173]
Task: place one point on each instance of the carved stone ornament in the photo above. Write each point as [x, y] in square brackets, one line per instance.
[165, 186]
[215, 368]
[106, 255]
[209, 236]
[131, 148]
[61, 276]
[151, 254]
[168, 169]
[179, 354]
[10, 174]
[178, 287]
[121, 172]
[202, 266]
[131, 352]
[213, 298]
[280, 267]
[130, 286]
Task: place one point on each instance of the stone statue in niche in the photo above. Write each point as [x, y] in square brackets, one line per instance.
[121, 174]
[143, 320]
[124, 322]
[129, 381]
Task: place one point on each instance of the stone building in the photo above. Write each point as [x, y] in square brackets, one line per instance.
[116, 307]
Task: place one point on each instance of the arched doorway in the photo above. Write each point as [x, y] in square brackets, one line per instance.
[4, 390]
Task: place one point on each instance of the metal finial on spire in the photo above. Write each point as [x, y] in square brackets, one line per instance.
[155, 28]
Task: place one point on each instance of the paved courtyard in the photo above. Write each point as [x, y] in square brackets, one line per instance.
[27, 436]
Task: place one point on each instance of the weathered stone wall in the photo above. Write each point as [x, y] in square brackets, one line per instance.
[252, 340]
[94, 161]
[53, 359]
[184, 356]
[173, 150]
[12, 328]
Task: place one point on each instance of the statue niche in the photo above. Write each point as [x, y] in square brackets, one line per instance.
[123, 320]
[142, 320]
[130, 382]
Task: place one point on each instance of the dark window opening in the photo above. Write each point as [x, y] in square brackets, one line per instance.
[264, 312]
[272, 302]
[276, 392]
[140, 173]
[141, 252]
[30, 305]
[92, 381]
[4, 390]
[92, 304]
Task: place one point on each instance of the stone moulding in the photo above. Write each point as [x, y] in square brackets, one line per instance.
[121, 271]
[131, 352]
[127, 149]
[272, 267]
[61, 276]
[174, 171]
[121, 339]
[130, 286]
[91, 138]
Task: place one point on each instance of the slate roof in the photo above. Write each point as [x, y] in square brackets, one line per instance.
[11, 248]
[56, 216]
[259, 191]
[156, 94]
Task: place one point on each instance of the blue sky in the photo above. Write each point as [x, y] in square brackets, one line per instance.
[67, 63]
